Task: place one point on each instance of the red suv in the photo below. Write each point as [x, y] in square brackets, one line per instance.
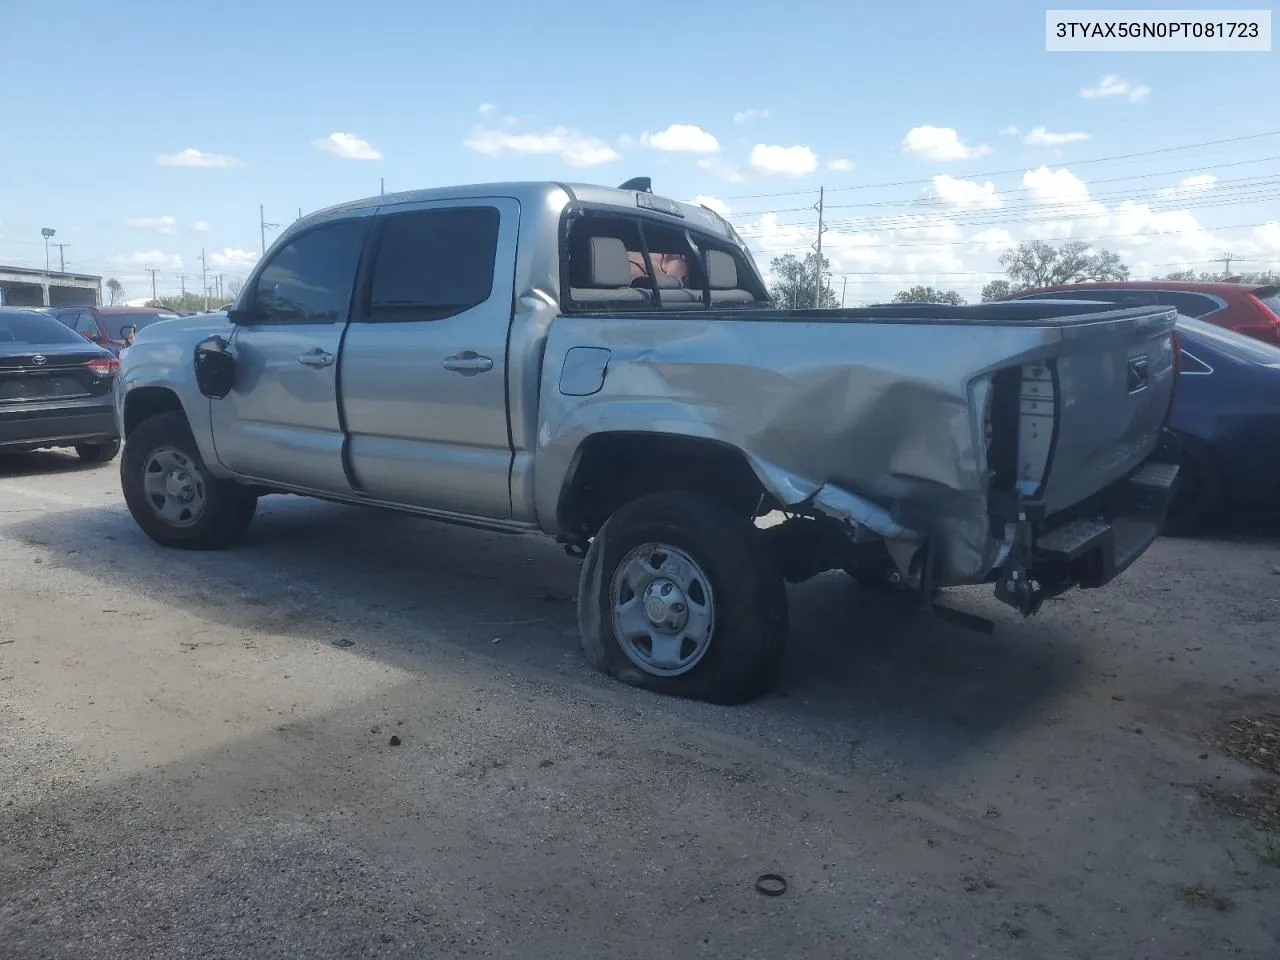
[110, 327]
[1243, 307]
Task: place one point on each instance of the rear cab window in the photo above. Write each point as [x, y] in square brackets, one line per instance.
[612, 261]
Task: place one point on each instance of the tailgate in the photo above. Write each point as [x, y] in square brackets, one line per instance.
[1098, 409]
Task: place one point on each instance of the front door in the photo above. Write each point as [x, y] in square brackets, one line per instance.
[280, 421]
[424, 365]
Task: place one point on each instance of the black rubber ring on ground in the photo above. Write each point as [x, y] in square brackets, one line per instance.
[771, 884]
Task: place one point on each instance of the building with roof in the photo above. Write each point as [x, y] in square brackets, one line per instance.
[32, 287]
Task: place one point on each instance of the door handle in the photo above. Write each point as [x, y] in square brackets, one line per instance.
[316, 358]
[468, 363]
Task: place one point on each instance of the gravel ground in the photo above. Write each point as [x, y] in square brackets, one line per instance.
[362, 735]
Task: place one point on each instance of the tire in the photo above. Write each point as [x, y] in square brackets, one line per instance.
[745, 614]
[98, 452]
[1197, 494]
[219, 511]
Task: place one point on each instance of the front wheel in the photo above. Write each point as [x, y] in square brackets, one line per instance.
[171, 494]
[678, 595]
[98, 452]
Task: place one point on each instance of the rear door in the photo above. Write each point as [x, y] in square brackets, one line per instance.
[280, 423]
[423, 369]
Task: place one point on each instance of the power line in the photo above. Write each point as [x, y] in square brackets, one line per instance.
[999, 173]
[1010, 195]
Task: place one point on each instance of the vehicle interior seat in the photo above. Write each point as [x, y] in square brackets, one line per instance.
[600, 272]
[722, 272]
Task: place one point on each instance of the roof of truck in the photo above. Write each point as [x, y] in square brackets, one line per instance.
[528, 191]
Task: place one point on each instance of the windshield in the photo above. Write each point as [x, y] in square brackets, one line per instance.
[1235, 346]
[34, 329]
[115, 323]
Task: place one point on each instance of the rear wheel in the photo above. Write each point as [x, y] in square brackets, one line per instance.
[678, 595]
[97, 452]
[171, 494]
[1197, 494]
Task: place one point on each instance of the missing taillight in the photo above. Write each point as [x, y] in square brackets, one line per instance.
[104, 367]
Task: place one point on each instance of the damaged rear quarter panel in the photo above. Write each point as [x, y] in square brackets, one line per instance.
[889, 411]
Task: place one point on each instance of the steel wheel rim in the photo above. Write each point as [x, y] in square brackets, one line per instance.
[663, 609]
[174, 486]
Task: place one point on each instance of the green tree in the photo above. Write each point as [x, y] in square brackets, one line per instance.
[115, 291]
[997, 290]
[1041, 264]
[793, 281]
[1255, 276]
[919, 294]
[187, 303]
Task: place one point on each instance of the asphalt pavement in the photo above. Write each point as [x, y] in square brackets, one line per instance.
[365, 735]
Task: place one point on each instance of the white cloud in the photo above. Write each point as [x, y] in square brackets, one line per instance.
[1009, 131]
[149, 258]
[993, 241]
[1113, 86]
[1040, 137]
[840, 165]
[683, 138]
[574, 148]
[485, 109]
[722, 169]
[940, 144]
[230, 259]
[625, 140]
[1060, 186]
[165, 224]
[960, 194]
[191, 157]
[200, 226]
[715, 203]
[348, 146]
[742, 116]
[794, 161]
[1189, 186]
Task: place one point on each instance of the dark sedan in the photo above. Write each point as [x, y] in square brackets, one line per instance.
[1226, 412]
[55, 388]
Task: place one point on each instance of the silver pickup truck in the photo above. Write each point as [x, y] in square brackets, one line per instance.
[605, 366]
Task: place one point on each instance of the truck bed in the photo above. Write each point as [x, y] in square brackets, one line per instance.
[926, 413]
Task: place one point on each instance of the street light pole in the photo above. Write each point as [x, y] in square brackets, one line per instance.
[47, 233]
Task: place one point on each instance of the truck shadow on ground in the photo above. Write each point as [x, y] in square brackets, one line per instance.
[43, 463]
[868, 675]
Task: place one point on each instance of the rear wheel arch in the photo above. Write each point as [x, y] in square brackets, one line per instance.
[612, 469]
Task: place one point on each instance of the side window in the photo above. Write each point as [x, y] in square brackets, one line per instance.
[1189, 304]
[309, 280]
[86, 325]
[67, 319]
[433, 264]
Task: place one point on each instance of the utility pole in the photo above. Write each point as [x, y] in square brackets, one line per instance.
[62, 257]
[1226, 264]
[263, 225]
[299, 213]
[817, 267]
[153, 271]
[204, 279]
[182, 284]
[382, 186]
[843, 287]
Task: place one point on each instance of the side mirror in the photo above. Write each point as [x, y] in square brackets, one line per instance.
[127, 332]
[215, 367]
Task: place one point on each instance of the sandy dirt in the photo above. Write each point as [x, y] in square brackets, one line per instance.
[197, 757]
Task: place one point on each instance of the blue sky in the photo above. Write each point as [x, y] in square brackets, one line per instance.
[96, 94]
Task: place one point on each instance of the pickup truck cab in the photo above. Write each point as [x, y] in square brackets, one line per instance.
[604, 366]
